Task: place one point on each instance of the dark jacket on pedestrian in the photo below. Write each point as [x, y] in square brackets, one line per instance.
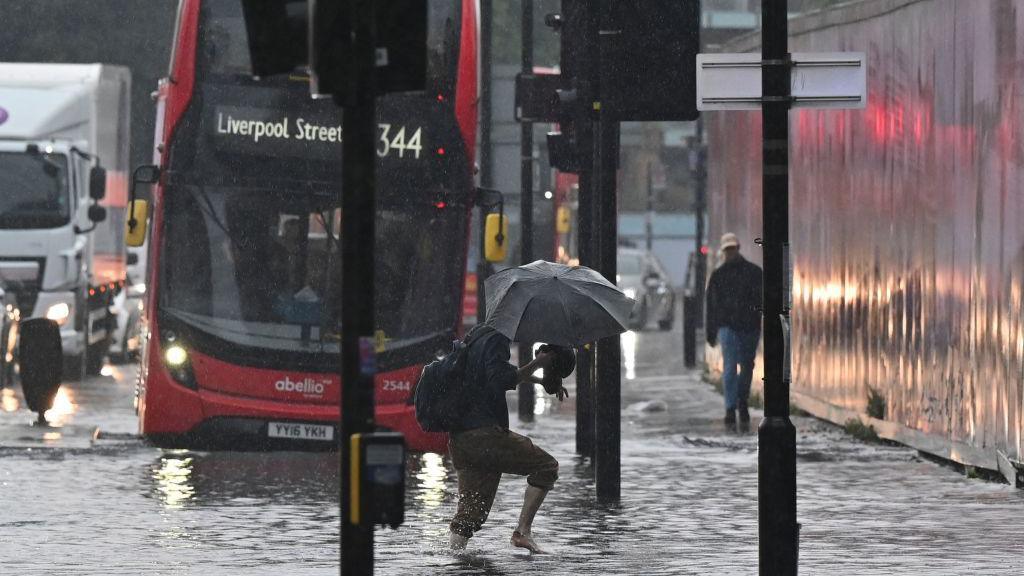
[733, 298]
[488, 376]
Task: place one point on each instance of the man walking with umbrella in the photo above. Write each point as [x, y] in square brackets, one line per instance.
[540, 302]
[734, 320]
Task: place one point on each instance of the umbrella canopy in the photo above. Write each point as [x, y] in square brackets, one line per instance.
[556, 304]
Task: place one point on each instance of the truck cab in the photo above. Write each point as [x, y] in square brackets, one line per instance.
[63, 163]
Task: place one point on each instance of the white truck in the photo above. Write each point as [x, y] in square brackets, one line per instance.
[64, 135]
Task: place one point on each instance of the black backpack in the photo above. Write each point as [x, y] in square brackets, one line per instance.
[440, 392]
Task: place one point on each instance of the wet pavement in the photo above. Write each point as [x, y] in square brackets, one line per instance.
[76, 502]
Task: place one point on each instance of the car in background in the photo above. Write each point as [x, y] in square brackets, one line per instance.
[642, 277]
[127, 308]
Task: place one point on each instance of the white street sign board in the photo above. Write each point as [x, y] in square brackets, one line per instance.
[819, 80]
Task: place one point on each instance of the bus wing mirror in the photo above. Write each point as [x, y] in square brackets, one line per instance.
[496, 234]
[97, 183]
[138, 222]
[146, 174]
[564, 222]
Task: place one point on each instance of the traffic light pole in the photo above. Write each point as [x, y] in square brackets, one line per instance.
[585, 364]
[358, 193]
[579, 61]
[776, 455]
[486, 151]
[526, 390]
[608, 396]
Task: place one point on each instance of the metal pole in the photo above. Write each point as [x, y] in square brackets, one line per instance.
[585, 58]
[358, 193]
[649, 224]
[689, 331]
[776, 456]
[526, 390]
[585, 249]
[486, 150]
[700, 210]
[608, 398]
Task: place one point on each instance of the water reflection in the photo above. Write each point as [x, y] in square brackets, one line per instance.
[180, 477]
[628, 340]
[430, 479]
[9, 400]
[172, 479]
[63, 407]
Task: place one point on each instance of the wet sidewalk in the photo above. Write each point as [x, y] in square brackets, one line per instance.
[689, 506]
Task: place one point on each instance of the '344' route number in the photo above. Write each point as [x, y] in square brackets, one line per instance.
[399, 140]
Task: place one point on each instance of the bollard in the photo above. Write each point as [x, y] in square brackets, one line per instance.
[689, 331]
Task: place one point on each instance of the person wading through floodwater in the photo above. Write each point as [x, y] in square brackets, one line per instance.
[734, 321]
[483, 448]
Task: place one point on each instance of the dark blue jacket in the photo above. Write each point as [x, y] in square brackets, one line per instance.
[488, 376]
[733, 298]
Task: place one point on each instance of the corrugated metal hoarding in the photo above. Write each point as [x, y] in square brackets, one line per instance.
[907, 219]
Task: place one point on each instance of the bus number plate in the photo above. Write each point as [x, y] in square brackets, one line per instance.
[300, 431]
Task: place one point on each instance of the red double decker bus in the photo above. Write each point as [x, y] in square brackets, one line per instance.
[242, 329]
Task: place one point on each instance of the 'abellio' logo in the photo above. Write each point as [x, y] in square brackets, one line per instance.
[3, 115]
[306, 386]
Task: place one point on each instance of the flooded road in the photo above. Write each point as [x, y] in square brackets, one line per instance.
[70, 503]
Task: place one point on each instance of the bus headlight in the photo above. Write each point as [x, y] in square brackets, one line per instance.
[178, 364]
[175, 356]
[59, 313]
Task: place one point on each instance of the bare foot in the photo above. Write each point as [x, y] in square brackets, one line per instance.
[521, 540]
[457, 542]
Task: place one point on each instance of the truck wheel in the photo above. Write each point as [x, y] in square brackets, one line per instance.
[73, 367]
[94, 357]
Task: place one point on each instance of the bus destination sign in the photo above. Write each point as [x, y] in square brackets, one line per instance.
[268, 132]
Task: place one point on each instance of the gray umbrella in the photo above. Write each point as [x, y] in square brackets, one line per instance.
[556, 304]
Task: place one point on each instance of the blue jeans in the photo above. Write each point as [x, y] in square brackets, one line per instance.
[739, 349]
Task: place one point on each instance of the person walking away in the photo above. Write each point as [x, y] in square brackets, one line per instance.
[483, 448]
[734, 321]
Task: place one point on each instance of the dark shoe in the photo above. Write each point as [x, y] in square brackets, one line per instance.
[744, 415]
[730, 419]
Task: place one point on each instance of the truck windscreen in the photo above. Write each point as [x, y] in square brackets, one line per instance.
[33, 190]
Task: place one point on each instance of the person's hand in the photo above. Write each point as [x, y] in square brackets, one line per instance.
[562, 393]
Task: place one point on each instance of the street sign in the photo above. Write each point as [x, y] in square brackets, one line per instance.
[819, 80]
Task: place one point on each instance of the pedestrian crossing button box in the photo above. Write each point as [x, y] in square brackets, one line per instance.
[377, 479]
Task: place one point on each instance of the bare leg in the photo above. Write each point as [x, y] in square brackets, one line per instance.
[522, 537]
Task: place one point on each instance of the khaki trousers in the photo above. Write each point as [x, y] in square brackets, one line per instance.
[480, 457]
